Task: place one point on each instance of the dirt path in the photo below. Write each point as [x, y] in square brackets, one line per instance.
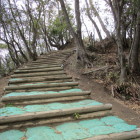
[101, 95]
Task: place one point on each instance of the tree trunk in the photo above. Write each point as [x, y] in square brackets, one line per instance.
[13, 56]
[124, 39]
[135, 66]
[21, 51]
[33, 44]
[20, 30]
[100, 20]
[16, 53]
[94, 23]
[118, 6]
[81, 54]
[86, 27]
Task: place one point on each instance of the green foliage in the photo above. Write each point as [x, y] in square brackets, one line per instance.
[6, 65]
[113, 76]
[9, 105]
[35, 22]
[57, 27]
[3, 46]
[76, 116]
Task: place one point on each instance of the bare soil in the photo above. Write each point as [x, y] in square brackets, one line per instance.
[123, 109]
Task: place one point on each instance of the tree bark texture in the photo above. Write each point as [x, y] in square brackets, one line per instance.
[135, 66]
[100, 19]
[77, 35]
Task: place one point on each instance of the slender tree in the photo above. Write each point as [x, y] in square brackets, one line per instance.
[77, 35]
[117, 10]
[135, 48]
[93, 22]
[99, 19]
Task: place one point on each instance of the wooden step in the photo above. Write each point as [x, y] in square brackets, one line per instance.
[42, 89]
[43, 64]
[47, 82]
[39, 74]
[55, 55]
[38, 70]
[45, 101]
[44, 96]
[46, 63]
[36, 86]
[53, 120]
[39, 67]
[131, 135]
[53, 113]
[49, 79]
[49, 58]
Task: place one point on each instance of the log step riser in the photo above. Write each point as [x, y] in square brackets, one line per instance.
[44, 96]
[40, 81]
[53, 113]
[44, 89]
[38, 74]
[22, 87]
[52, 100]
[62, 119]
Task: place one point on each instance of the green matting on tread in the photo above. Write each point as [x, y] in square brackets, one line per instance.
[8, 111]
[71, 130]
[41, 92]
[38, 84]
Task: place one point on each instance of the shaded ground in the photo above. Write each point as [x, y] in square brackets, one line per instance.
[101, 94]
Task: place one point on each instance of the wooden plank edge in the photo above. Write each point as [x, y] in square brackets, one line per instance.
[42, 96]
[52, 100]
[42, 89]
[39, 79]
[52, 113]
[61, 119]
[119, 136]
[38, 70]
[40, 86]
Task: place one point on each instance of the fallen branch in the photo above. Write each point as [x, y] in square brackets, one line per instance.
[92, 71]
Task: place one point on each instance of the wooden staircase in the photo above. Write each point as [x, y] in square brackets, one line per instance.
[41, 93]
